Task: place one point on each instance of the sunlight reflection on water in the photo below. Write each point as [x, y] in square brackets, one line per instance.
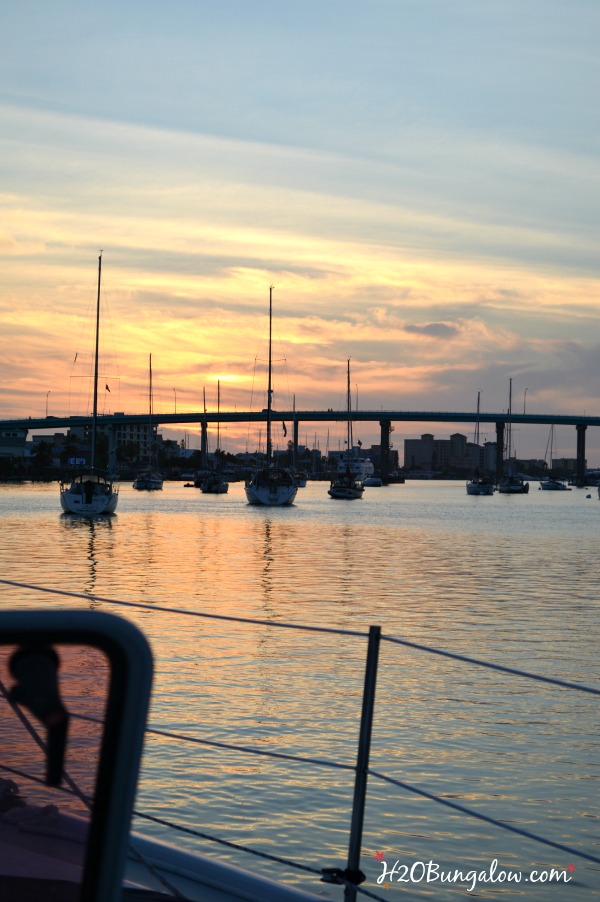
[508, 579]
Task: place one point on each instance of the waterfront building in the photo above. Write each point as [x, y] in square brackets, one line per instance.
[12, 443]
[374, 455]
[442, 455]
[144, 435]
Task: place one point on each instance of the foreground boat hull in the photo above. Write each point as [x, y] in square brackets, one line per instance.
[32, 856]
[200, 878]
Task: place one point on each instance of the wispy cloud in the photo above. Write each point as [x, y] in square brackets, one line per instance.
[430, 212]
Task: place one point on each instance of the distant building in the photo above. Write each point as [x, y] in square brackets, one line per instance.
[13, 443]
[56, 442]
[374, 455]
[453, 454]
[144, 435]
[489, 457]
[565, 464]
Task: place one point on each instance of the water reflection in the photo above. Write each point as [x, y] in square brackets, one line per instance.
[515, 583]
[267, 564]
[90, 530]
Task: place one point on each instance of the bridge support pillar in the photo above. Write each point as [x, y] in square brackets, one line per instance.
[204, 443]
[384, 445]
[295, 451]
[499, 451]
[580, 473]
[112, 450]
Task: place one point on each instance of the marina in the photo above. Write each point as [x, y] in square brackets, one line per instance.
[220, 681]
[433, 567]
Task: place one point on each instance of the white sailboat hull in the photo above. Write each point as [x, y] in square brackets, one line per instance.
[89, 496]
[148, 482]
[346, 491]
[512, 486]
[214, 484]
[221, 489]
[553, 485]
[272, 488]
[480, 488]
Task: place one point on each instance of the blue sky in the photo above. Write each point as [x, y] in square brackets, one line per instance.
[419, 181]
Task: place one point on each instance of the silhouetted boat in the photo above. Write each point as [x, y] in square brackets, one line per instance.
[479, 485]
[552, 483]
[271, 486]
[214, 483]
[91, 492]
[346, 486]
[511, 484]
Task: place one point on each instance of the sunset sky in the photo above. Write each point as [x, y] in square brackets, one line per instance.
[418, 179]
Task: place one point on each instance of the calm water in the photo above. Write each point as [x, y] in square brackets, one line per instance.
[513, 580]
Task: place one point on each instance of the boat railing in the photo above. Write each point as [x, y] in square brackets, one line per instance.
[349, 876]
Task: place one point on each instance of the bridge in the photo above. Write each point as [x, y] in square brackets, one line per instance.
[385, 418]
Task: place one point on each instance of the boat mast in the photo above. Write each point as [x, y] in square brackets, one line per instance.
[95, 408]
[150, 391]
[550, 448]
[509, 425]
[151, 451]
[269, 389]
[295, 443]
[218, 422]
[349, 439]
[476, 438]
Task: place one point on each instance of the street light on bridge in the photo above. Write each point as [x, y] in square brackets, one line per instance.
[175, 393]
[47, 393]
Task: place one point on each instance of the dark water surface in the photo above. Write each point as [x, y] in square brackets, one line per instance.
[510, 579]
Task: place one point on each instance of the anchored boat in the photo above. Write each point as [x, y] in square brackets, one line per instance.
[511, 483]
[347, 486]
[271, 486]
[91, 492]
[214, 482]
[478, 484]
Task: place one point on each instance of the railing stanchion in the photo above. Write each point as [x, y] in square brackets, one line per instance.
[362, 764]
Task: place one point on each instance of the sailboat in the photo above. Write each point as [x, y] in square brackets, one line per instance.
[479, 485]
[150, 479]
[511, 484]
[271, 486]
[213, 483]
[346, 486]
[552, 483]
[91, 492]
